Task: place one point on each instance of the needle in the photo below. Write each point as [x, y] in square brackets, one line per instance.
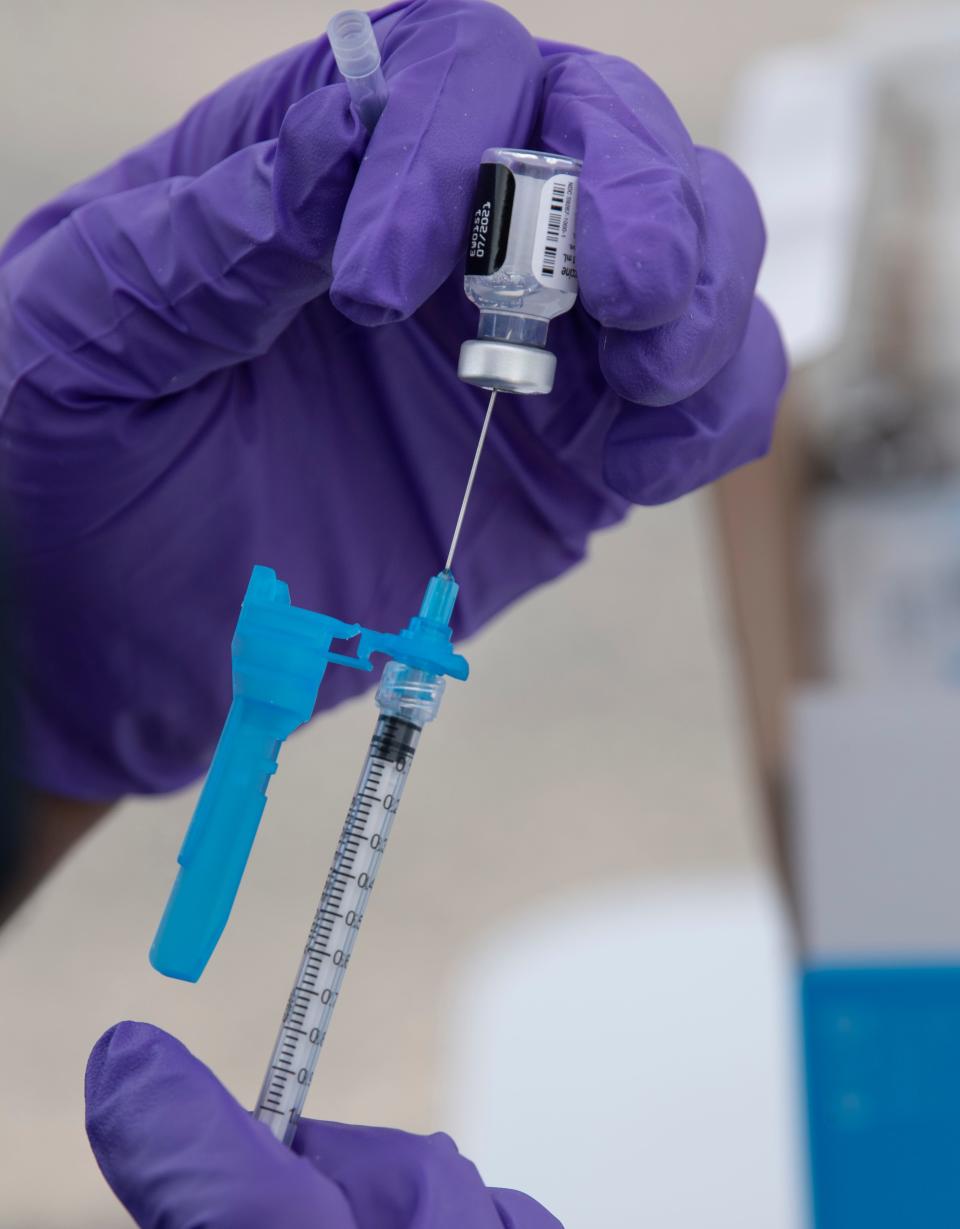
[473, 474]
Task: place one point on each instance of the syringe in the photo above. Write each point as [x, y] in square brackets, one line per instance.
[521, 273]
[408, 698]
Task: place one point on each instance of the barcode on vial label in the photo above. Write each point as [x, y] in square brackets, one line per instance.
[554, 262]
[555, 218]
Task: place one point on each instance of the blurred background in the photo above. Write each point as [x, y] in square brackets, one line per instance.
[758, 780]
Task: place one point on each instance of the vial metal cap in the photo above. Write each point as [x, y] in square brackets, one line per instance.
[506, 367]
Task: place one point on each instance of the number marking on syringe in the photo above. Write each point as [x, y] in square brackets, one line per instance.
[333, 931]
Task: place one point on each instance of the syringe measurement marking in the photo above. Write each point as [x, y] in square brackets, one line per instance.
[334, 928]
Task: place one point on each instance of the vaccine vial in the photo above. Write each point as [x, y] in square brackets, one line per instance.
[521, 267]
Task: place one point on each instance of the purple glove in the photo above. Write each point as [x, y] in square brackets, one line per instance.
[178, 1151]
[190, 382]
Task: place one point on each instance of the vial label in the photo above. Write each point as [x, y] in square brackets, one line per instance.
[490, 220]
[554, 251]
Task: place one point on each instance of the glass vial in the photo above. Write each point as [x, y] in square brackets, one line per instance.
[521, 267]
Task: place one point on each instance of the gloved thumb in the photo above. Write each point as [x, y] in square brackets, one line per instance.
[179, 1151]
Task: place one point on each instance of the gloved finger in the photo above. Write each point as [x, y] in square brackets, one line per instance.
[654, 454]
[667, 364]
[669, 238]
[145, 292]
[640, 216]
[180, 1152]
[462, 76]
[519, 1211]
[394, 1180]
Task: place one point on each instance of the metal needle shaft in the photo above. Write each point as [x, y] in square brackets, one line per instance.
[473, 474]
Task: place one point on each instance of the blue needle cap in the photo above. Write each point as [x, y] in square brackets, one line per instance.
[280, 655]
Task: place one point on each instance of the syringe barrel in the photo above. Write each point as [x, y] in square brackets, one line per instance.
[336, 924]
[408, 697]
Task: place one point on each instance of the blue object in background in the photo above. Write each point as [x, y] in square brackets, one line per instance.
[882, 1049]
[280, 656]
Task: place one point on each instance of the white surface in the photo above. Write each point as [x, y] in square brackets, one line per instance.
[628, 1058]
[876, 796]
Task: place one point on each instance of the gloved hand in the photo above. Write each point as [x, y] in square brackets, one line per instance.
[238, 345]
[180, 1152]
